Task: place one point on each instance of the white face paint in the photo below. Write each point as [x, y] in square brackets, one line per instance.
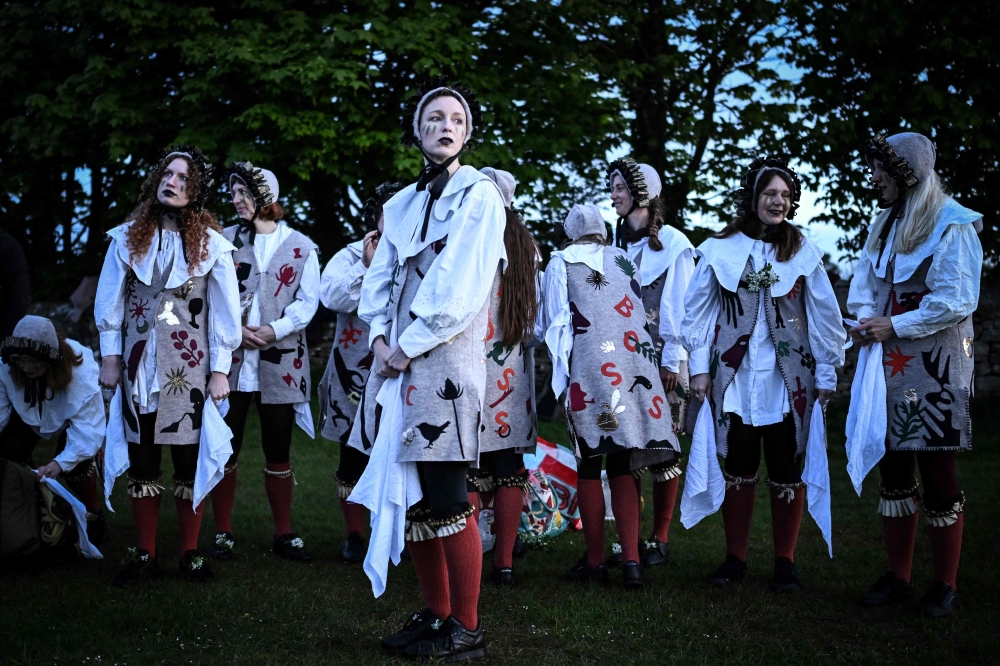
[774, 202]
[173, 189]
[442, 127]
[242, 200]
[885, 183]
[621, 198]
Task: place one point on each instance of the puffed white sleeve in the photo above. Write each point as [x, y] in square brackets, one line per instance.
[556, 322]
[85, 434]
[375, 291]
[6, 407]
[340, 286]
[300, 312]
[672, 310]
[826, 329]
[953, 280]
[109, 302]
[225, 324]
[458, 283]
[862, 296]
[701, 311]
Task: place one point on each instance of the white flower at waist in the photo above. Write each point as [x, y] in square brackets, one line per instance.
[298, 543]
[765, 277]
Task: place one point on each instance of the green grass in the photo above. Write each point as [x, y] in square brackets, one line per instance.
[267, 611]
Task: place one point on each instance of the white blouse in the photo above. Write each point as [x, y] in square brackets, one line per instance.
[470, 213]
[953, 277]
[78, 409]
[554, 317]
[224, 321]
[340, 285]
[677, 260]
[752, 393]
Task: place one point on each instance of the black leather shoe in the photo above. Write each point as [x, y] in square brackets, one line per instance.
[632, 575]
[939, 601]
[222, 549]
[451, 642]
[415, 627]
[656, 553]
[194, 567]
[582, 573]
[733, 570]
[887, 590]
[503, 577]
[291, 547]
[520, 550]
[140, 568]
[354, 549]
[786, 576]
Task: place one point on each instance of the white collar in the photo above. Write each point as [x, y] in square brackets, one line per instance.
[357, 248]
[589, 254]
[728, 258]
[654, 263]
[143, 268]
[906, 264]
[64, 404]
[404, 212]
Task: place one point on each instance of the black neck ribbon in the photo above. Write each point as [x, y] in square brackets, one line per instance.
[436, 176]
[883, 235]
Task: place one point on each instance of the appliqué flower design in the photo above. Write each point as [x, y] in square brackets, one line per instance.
[607, 347]
[911, 395]
[765, 277]
[408, 437]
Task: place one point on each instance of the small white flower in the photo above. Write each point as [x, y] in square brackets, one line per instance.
[607, 347]
[408, 436]
[616, 548]
[437, 624]
[298, 543]
[197, 562]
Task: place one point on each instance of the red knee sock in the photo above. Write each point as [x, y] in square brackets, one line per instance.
[625, 506]
[189, 522]
[475, 504]
[900, 537]
[223, 496]
[946, 549]
[506, 518]
[432, 574]
[664, 499]
[279, 495]
[590, 498]
[146, 513]
[786, 518]
[463, 553]
[737, 515]
[355, 516]
[89, 492]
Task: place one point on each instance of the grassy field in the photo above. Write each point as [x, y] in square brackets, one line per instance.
[268, 611]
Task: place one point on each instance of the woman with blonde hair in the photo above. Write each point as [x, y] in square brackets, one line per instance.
[914, 292]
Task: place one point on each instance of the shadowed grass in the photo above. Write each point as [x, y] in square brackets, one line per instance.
[268, 611]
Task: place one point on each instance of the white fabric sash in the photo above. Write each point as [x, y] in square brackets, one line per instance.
[704, 487]
[816, 476]
[115, 447]
[214, 451]
[88, 549]
[866, 417]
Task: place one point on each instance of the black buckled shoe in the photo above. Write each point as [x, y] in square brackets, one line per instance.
[503, 577]
[786, 576]
[733, 570]
[632, 575]
[583, 573]
[354, 549]
[450, 642]
[415, 627]
[886, 590]
[656, 553]
[941, 600]
[194, 567]
[291, 547]
[222, 549]
[520, 550]
[140, 568]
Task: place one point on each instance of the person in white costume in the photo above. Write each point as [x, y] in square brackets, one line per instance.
[48, 390]
[277, 271]
[168, 313]
[764, 332]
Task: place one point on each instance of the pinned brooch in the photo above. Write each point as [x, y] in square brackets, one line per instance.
[765, 277]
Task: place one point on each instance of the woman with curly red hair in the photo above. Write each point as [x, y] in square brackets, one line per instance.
[168, 312]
